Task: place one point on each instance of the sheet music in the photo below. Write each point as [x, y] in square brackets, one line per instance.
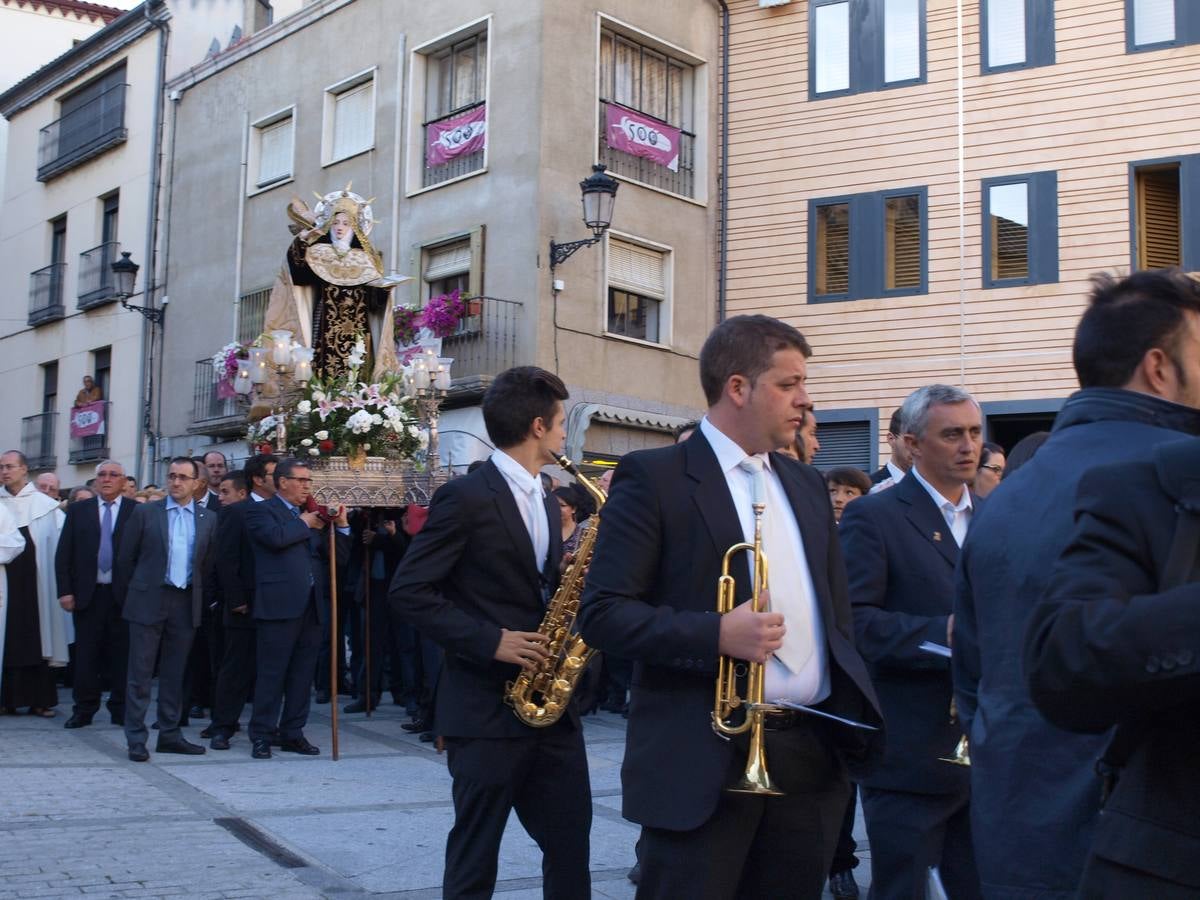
[936, 649]
[800, 707]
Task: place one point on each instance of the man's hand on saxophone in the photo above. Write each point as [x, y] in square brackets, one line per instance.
[522, 648]
[749, 635]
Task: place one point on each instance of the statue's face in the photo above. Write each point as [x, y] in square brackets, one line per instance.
[340, 228]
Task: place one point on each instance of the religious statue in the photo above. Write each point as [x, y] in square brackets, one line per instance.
[331, 291]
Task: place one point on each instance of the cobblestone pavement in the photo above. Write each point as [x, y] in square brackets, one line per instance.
[78, 819]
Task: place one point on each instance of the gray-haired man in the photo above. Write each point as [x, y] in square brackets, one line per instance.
[901, 547]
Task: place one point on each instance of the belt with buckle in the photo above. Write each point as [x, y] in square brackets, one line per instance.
[781, 720]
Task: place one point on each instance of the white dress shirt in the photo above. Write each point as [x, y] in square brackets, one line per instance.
[811, 683]
[957, 515]
[527, 491]
[103, 577]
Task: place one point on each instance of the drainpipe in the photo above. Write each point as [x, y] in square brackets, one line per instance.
[148, 439]
[723, 173]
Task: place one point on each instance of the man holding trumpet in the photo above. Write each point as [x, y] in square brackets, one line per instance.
[651, 588]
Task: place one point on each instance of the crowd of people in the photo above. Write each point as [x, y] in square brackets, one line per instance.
[993, 649]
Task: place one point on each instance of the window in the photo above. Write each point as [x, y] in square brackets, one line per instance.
[637, 291]
[455, 124]
[349, 117]
[1152, 24]
[1016, 34]
[1166, 195]
[102, 362]
[91, 120]
[264, 14]
[1020, 230]
[865, 45]
[642, 87]
[251, 314]
[271, 146]
[49, 387]
[868, 245]
[847, 438]
[96, 282]
[450, 264]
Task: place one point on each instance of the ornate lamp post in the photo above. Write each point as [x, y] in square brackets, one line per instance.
[599, 196]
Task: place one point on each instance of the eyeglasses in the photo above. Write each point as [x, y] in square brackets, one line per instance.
[992, 467]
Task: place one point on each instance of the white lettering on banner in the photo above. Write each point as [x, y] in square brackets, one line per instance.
[645, 134]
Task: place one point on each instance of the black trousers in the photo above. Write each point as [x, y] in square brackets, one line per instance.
[843, 856]
[286, 659]
[175, 634]
[101, 644]
[389, 638]
[235, 678]
[757, 847]
[544, 778]
[1107, 880]
[910, 832]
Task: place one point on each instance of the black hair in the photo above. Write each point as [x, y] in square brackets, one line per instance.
[850, 477]
[516, 398]
[896, 423]
[1023, 451]
[286, 466]
[256, 467]
[238, 477]
[989, 447]
[209, 453]
[1128, 318]
[183, 459]
[576, 498]
[744, 346]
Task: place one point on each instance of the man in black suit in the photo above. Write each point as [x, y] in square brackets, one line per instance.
[289, 545]
[894, 470]
[651, 597]
[475, 580]
[235, 596]
[84, 561]
[213, 467]
[901, 547]
[1116, 642]
[165, 556]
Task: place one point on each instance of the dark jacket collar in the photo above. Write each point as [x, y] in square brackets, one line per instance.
[1119, 405]
[924, 515]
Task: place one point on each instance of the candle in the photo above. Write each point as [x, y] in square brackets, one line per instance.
[242, 383]
[442, 382]
[258, 365]
[420, 375]
[281, 347]
[303, 358]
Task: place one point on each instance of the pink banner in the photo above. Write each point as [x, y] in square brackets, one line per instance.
[452, 138]
[87, 420]
[640, 135]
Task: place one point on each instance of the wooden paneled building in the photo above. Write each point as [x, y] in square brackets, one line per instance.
[924, 187]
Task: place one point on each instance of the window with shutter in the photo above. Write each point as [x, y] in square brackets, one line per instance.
[637, 290]
[1009, 214]
[1159, 24]
[274, 151]
[354, 120]
[1158, 217]
[868, 245]
[902, 242]
[844, 444]
[833, 249]
[1020, 229]
[448, 269]
[1016, 34]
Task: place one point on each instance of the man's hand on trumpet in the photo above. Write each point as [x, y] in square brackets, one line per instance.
[752, 636]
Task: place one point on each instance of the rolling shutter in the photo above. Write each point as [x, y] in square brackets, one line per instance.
[833, 249]
[902, 242]
[844, 444]
[636, 269]
[1159, 245]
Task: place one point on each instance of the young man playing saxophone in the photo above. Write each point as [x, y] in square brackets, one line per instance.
[475, 581]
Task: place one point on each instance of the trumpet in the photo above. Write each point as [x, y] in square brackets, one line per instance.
[756, 779]
[962, 750]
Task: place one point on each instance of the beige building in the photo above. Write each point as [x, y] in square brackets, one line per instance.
[925, 186]
[356, 92]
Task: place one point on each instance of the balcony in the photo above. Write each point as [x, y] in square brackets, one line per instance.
[462, 165]
[89, 447]
[37, 440]
[46, 294]
[96, 283]
[647, 171]
[215, 409]
[83, 133]
[484, 346]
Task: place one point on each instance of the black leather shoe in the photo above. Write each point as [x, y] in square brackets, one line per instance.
[358, 706]
[299, 745]
[78, 721]
[261, 750]
[138, 753]
[180, 746]
[207, 732]
[196, 712]
[426, 737]
[323, 695]
[843, 886]
[415, 726]
[220, 741]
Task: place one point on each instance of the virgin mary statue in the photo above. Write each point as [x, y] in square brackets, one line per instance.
[331, 291]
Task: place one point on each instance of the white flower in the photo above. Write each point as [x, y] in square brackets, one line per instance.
[307, 442]
[322, 435]
[360, 422]
[319, 396]
[391, 412]
[366, 446]
[377, 419]
[414, 432]
[423, 439]
[304, 407]
[313, 451]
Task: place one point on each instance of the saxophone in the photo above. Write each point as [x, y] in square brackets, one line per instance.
[540, 697]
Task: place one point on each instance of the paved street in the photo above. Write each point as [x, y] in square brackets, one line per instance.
[78, 819]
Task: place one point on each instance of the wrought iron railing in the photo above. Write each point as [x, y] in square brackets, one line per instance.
[647, 171]
[91, 447]
[37, 440]
[96, 282]
[486, 342]
[46, 293]
[82, 133]
[462, 165]
[212, 398]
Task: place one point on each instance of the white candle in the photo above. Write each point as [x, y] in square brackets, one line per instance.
[420, 375]
[258, 365]
[281, 343]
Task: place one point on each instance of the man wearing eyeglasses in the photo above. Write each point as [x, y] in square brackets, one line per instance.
[289, 547]
[164, 557]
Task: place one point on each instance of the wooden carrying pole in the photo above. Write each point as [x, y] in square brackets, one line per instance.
[366, 576]
[333, 638]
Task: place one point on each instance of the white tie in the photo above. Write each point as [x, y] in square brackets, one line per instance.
[783, 574]
[537, 526]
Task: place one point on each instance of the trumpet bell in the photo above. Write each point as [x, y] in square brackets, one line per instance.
[962, 753]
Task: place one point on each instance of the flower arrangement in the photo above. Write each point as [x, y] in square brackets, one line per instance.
[225, 366]
[440, 317]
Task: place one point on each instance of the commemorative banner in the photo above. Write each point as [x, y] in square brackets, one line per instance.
[459, 136]
[637, 134]
[87, 420]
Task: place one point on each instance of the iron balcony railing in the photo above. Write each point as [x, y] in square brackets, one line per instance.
[212, 399]
[92, 447]
[647, 171]
[82, 133]
[462, 165]
[37, 440]
[46, 293]
[486, 342]
[96, 282]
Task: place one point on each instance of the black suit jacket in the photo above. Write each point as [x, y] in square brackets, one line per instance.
[900, 559]
[140, 572]
[79, 548]
[287, 560]
[468, 573]
[235, 565]
[651, 597]
[880, 474]
[1113, 643]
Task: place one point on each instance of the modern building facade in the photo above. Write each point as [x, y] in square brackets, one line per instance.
[924, 187]
[357, 93]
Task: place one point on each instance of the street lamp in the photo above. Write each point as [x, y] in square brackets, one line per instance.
[125, 273]
[599, 196]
